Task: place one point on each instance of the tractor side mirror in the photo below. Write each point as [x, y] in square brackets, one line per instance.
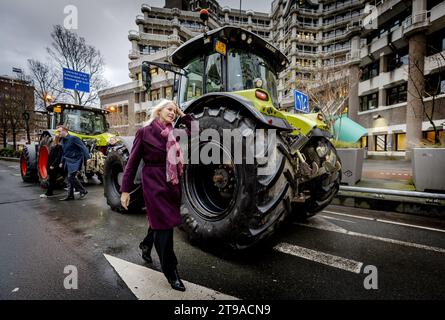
[146, 77]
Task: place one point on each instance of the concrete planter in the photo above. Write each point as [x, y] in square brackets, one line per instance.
[352, 164]
[429, 168]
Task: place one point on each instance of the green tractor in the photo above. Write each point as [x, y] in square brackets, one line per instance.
[228, 81]
[89, 124]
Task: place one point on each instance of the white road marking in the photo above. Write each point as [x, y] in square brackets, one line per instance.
[314, 223]
[348, 215]
[13, 167]
[320, 257]
[148, 284]
[15, 290]
[386, 221]
[336, 219]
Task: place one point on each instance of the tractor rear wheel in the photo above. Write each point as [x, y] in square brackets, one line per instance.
[42, 160]
[28, 169]
[234, 203]
[112, 179]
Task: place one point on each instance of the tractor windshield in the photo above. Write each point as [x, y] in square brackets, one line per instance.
[83, 121]
[244, 68]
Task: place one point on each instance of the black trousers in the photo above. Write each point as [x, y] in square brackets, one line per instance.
[74, 183]
[163, 242]
[52, 181]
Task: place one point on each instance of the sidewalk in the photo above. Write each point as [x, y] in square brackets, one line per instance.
[389, 179]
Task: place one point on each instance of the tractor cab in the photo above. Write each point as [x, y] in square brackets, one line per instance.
[78, 119]
[228, 59]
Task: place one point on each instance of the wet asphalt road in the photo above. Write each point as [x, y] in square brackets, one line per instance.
[40, 237]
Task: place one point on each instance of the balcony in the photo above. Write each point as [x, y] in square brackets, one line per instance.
[416, 23]
[342, 6]
[435, 62]
[438, 12]
[383, 80]
[133, 55]
[134, 35]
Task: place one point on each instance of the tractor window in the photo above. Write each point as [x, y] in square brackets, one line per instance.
[191, 85]
[214, 73]
[244, 68]
[83, 121]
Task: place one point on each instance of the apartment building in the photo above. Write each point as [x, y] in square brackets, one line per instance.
[159, 32]
[16, 99]
[402, 58]
[319, 38]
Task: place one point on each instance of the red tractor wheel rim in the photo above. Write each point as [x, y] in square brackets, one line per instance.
[43, 161]
[23, 166]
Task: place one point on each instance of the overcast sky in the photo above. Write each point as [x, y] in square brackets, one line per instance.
[25, 27]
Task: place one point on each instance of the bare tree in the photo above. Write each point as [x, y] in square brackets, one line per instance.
[68, 50]
[45, 83]
[328, 92]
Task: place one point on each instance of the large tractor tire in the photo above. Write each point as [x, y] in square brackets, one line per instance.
[114, 170]
[42, 161]
[323, 188]
[232, 203]
[28, 163]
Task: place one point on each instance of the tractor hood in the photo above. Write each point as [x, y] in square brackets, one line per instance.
[232, 37]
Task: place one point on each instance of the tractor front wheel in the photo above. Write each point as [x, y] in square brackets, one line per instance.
[112, 179]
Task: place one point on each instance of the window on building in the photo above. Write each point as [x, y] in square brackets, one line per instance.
[155, 95]
[429, 135]
[369, 101]
[370, 71]
[400, 141]
[154, 72]
[380, 142]
[435, 43]
[364, 142]
[398, 59]
[396, 95]
[435, 84]
[168, 92]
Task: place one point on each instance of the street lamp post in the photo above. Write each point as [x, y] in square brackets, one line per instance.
[26, 118]
[48, 99]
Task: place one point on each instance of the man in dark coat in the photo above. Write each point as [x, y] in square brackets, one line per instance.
[75, 153]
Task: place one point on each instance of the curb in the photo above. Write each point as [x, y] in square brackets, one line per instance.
[10, 159]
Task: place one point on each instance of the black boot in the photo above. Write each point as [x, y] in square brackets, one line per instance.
[145, 253]
[176, 282]
[67, 198]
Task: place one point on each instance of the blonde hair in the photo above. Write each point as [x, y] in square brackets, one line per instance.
[155, 113]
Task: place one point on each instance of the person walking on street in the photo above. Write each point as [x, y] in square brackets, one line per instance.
[54, 167]
[75, 153]
[160, 183]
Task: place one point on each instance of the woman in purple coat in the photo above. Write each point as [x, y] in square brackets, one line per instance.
[160, 182]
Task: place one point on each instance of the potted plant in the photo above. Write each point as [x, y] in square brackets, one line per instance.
[429, 167]
[351, 156]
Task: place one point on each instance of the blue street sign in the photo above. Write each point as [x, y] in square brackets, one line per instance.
[75, 80]
[301, 101]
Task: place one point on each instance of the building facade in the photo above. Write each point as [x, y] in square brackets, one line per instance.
[159, 32]
[16, 99]
[348, 55]
[401, 83]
